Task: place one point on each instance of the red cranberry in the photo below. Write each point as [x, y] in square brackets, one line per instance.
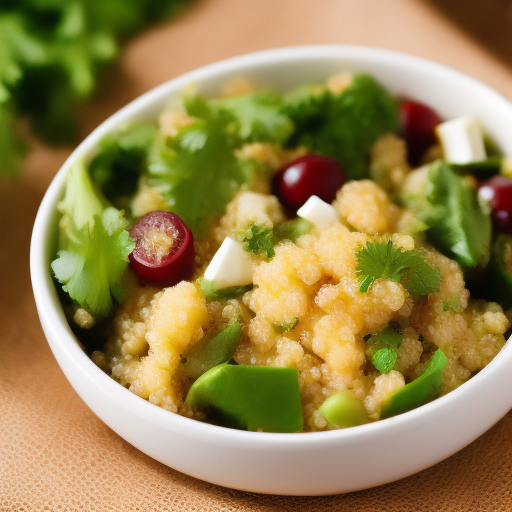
[310, 175]
[164, 251]
[417, 123]
[498, 192]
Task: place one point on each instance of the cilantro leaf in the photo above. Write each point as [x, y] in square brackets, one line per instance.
[197, 171]
[258, 239]
[382, 348]
[258, 116]
[51, 55]
[12, 148]
[121, 160]
[91, 268]
[383, 260]
[458, 221]
[343, 126]
[95, 246]
[18, 48]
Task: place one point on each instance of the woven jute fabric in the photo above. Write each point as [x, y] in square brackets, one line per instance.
[54, 453]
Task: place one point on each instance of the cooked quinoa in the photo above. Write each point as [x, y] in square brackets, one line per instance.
[311, 286]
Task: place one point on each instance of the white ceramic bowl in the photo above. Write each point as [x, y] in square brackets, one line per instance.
[297, 464]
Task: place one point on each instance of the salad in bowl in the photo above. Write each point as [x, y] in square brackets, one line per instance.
[325, 252]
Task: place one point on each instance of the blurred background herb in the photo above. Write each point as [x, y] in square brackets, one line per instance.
[51, 55]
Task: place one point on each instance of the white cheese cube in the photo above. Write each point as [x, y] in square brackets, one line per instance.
[462, 140]
[230, 266]
[318, 212]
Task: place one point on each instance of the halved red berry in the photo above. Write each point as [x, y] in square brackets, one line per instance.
[164, 252]
[498, 192]
[417, 123]
[310, 175]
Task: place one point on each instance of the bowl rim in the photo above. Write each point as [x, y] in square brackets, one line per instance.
[63, 339]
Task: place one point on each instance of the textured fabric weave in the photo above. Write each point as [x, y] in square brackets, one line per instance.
[54, 453]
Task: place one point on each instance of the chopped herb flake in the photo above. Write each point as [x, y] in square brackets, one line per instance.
[258, 239]
[286, 326]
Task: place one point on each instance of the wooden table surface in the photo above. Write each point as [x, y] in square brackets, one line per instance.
[54, 453]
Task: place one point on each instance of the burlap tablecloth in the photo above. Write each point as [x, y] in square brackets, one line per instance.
[54, 453]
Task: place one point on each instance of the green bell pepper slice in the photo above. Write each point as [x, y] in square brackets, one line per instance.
[219, 350]
[250, 397]
[418, 392]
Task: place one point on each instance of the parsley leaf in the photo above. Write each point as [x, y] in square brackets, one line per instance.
[382, 348]
[95, 246]
[92, 266]
[343, 126]
[258, 116]
[383, 260]
[12, 148]
[258, 239]
[197, 171]
[51, 54]
[458, 221]
[121, 160]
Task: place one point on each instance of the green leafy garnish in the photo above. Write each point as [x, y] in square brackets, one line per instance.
[51, 55]
[12, 148]
[258, 116]
[261, 240]
[383, 349]
[382, 260]
[95, 246]
[343, 126]
[258, 239]
[121, 160]
[286, 326]
[458, 221]
[197, 171]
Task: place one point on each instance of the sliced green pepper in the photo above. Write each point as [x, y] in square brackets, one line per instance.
[418, 392]
[343, 410]
[219, 350]
[212, 293]
[250, 397]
